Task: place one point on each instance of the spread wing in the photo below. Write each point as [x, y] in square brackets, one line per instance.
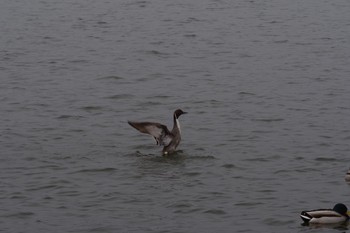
[159, 132]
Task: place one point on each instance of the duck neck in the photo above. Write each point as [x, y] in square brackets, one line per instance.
[176, 123]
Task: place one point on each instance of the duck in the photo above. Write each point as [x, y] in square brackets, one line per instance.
[162, 135]
[347, 176]
[338, 214]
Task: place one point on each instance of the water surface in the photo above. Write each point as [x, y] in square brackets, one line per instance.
[266, 85]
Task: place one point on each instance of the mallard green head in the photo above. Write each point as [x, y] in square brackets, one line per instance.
[341, 209]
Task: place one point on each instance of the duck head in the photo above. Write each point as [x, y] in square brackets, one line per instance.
[341, 209]
[178, 113]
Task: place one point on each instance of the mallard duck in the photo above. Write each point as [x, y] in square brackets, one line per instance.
[338, 214]
[347, 176]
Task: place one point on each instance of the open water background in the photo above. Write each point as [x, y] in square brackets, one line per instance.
[267, 88]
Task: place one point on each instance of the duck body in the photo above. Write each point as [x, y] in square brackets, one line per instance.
[326, 216]
[347, 176]
[163, 136]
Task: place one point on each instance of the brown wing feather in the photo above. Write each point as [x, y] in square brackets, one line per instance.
[160, 132]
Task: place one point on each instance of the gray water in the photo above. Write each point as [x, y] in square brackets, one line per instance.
[266, 85]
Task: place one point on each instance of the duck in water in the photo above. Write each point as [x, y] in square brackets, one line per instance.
[169, 139]
[338, 214]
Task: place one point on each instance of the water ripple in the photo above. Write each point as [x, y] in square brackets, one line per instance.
[20, 215]
[120, 96]
[96, 170]
[215, 212]
[112, 77]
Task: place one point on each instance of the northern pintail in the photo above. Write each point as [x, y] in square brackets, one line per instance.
[169, 139]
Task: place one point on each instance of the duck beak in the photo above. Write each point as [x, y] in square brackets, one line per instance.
[348, 213]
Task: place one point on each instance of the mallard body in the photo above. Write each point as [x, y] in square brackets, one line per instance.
[347, 176]
[326, 216]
